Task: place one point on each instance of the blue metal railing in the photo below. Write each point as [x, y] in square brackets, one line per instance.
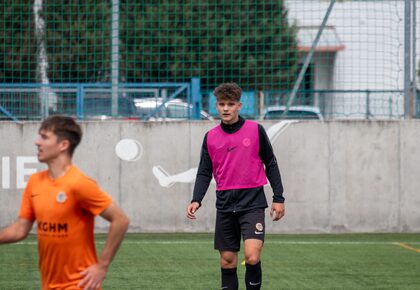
[33, 101]
[22, 101]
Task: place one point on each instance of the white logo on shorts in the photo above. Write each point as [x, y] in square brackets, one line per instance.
[259, 229]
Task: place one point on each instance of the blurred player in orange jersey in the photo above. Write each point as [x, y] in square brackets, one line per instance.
[64, 202]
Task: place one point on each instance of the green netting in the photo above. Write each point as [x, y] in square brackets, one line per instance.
[246, 41]
[357, 69]
[160, 41]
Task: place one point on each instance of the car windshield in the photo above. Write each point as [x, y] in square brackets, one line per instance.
[177, 112]
[294, 114]
[103, 107]
[170, 110]
[174, 109]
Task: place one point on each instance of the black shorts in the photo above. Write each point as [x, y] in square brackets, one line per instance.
[231, 226]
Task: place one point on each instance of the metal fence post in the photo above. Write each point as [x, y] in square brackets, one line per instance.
[413, 62]
[409, 75]
[368, 114]
[79, 101]
[115, 55]
[196, 98]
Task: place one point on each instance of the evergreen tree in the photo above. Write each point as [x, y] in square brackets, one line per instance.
[17, 42]
[246, 41]
[78, 40]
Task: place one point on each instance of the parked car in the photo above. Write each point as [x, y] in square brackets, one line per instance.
[100, 108]
[294, 112]
[153, 109]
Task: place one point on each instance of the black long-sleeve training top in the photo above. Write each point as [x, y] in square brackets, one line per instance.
[236, 200]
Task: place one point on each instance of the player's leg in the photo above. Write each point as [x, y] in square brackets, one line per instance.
[253, 231]
[228, 259]
[228, 267]
[253, 273]
[227, 241]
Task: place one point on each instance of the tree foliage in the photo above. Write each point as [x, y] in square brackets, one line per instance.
[247, 41]
[78, 37]
[17, 42]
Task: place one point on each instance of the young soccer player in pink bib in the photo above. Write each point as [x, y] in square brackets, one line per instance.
[235, 153]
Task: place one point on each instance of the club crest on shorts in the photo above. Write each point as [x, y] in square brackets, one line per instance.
[259, 227]
[61, 197]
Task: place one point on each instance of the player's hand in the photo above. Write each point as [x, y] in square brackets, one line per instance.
[93, 277]
[277, 211]
[191, 209]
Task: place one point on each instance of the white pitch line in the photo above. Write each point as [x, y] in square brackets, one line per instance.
[184, 242]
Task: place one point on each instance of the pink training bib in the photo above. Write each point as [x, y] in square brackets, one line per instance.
[235, 159]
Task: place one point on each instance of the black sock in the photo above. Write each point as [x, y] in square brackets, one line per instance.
[229, 279]
[253, 276]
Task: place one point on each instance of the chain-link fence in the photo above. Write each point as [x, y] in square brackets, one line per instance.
[345, 59]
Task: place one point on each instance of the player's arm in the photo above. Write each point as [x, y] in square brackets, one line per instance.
[94, 275]
[118, 227]
[16, 231]
[20, 229]
[271, 167]
[273, 174]
[202, 181]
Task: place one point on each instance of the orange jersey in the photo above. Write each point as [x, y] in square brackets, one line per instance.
[64, 210]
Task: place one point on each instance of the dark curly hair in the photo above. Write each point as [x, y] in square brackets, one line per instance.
[228, 91]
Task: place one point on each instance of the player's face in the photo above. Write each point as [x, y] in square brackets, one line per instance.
[228, 111]
[49, 147]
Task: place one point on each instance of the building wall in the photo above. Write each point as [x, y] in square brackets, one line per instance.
[338, 176]
[372, 33]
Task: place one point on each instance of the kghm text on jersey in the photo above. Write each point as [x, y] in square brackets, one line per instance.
[49, 227]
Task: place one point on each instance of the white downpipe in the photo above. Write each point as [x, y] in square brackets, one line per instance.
[48, 98]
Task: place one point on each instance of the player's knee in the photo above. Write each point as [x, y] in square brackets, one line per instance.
[252, 259]
[228, 262]
[227, 265]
